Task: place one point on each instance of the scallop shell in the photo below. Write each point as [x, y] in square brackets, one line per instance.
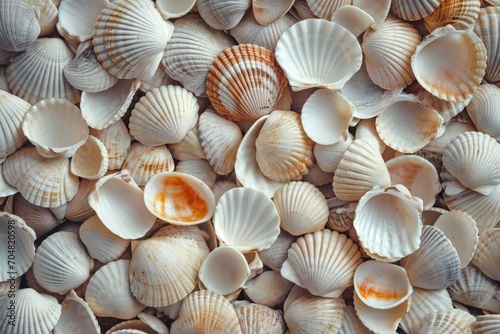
[47, 14]
[198, 168]
[459, 14]
[143, 162]
[12, 112]
[173, 8]
[481, 109]
[192, 50]
[269, 289]
[117, 140]
[447, 109]
[414, 9]
[328, 157]
[125, 57]
[256, 318]
[164, 116]
[246, 219]
[436, 264]
[453, 129]
[388, 222]
[189, 148]
[376, 9]
[486, 257]
[222, 15]
[76, 311]
[3, 79]
[62, 263]
[266, 12]
[274, 256]
[325, 9]
[283, 150]
[388, 51]
[303, 54]
[487, 324]
[44, 182]
[76, 19]
[90, 160]
[487, 27]
[439, 75]
[19, 26]
[37, 73]
[366, 128]
[245, 82]
[108, 292]
[327, 277]
[447, 322]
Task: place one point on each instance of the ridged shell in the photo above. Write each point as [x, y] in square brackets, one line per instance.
[447, 322]
[328, 157]
[199, 168]
[274, 256]
[351, 323]
[117, 141]
[41, 220]
[245, 82]
[143, 162]
[164, 116]
[487, 324]
[189, 148]
[12, 112]
[44, 182]
[76, 19]
[19, 26]
[62, 263]
[447, 109]
[413, 10]
[3, 79]
[435, 265]
[487, 27]
[267, 12]
[325, 9]
[78, 209]
[222, 15]
[90, 160]
[173, 8]
[322, 262]
[268, 288]
[37, 73]
[256, 318]
[482, 109]
[353, 19]
[76, 311]
[458, 13]
[308, 53]
[388, 51]
[487, 254]
[125, 57]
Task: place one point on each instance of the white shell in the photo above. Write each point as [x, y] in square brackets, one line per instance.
[269, 289]
[486, 256]
[377, 9]
[189, 148]
[352, 324]
[222, 15]
[78, 209]
[12, 112]
[5, 188]
[481, 109]
[453, 129]
[413, 10]
[302, 53]
[486, 27]
[353, 19]
[198, 168]
[90, 160]
[117, 141]
[328, 157]
[76, 18]
[447, 109]
[76, 312]
[19, 26]
[174, 8]
[324, 8]
[256, 318]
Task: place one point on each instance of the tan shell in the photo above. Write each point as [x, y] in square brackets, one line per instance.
[413, 10]
[459, 14]
[486, 257]
[447, 321]
[78, 209]
[12, 112]
[487, 324]
[269, 289]
[487, 27]
[256, 318]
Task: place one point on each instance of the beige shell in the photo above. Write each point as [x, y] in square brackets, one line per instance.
[256, 318]
[481, 109]
[78, 209]
[117, 140]
[266, 12]
[189, 148]
[19, 27]
[486, 27]
[487, 324]
[12, 112]
[76, 312]
[447, 109]
[76, 19]
[269, 289]
[486, 257]
[447, 321]
[90, 160]
[376, 9]
[328, 157]
[325, 9]
[274, 256]
[459, 14]
[125, 57]
[302, 11]
[199, 168]
[222, 15]
[351, 323]
[353, 19]
[412, 10]
[283, 150]
[341, 217]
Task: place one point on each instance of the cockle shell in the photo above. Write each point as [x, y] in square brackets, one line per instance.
[189, 148]
[174, 8]
[447, 109]
[117, 140]
[325, 9]
[413, 10]
[447, 322]
[269, 289]
[19, 26]
[12, 112]
[331, 275]
[90, 160]
[481, 109]
[487, 324]
[486, 27]
[76, 19]
[367, 128]
[302, 53]
[222, 15]
[486, 257]
[459, 14]
[353, 19]
[376, 9]
[328, 157]
[125, 57]
[453, 129]
[76, 312]
[256, 318]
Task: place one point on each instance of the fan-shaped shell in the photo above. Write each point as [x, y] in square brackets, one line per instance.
[487, 324]
[125, 57]
[143, 162]
[222, 15]
[19, 26]
[117, 140]
[309, 54]
[75, 310]
[459, 14]
[447, 322]
[487, 27]
[325, 9]
[189, 148]
[486, 257]
[90, 160]
[76, 19]
[482, 107]
[256, 318]
[12, 112]
[413, 10]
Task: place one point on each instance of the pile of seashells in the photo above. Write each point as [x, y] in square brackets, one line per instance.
[249, 166]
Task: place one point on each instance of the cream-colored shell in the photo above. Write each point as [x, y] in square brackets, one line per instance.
[376, 9]
[351, 323]
[19, 26]
[481, 109]
[117, 141]
[76, 311]
[199, 168]
[328, 157]
[274, 256]
[269, 289]
[143, 162]
[353, 19]
[325, 9]
[413, 10]
[174, 8]
[12, 112]
[459, 14]
[47, 12]
[189, 148]
[222, 15]
[447, 109]
[90, 160]
[486, 27]
[447, 321]
[256, 318]
[266, 12]
[487, 254]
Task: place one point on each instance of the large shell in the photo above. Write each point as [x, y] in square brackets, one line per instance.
[76, 19]
[117, 140]
[143, 162]
[487, 254]
[482, 107]
[164, 116]
[487, 27]
[309, 54]
[37, 73]
[447, 322]
[223, 15]
[19, 26]
[439, 75]
[245, 82]
[460, 14]
[12, 112]
[413, 10]
[322, 262]
[125, 57]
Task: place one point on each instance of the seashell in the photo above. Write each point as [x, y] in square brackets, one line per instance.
[481, 109]
[267, 13]
[101, 109]
[222, 15]
[40, 313]
[302, 208]
[86, 73]
[18, 25]
[154, 323]
[219, 139]
[117, 141]
[388, 51]
[341, 218]
[302, 11]
[164, 116]
[101, 244]
[62, 263]
[453, 129]
[239, 224]
[447, 321]
[274, 256]
[314, 69]
[414, 10]
[45, 58]
[486, 256]
[206, 312]
[3, 80]
[160, 78]
[328, 157]
[200, 169]
[378, 10]
[475, 289]
[12, 112]
[189, 148]
[472, 159]
[388, 222]
[143, 162]
[442, 78]
[325, 9]
[360, 169]
[245, 82]
[486, 27]
[418, 175]
[269, 289]
[18, 251]
[351, 323]
[125, 216]
[90, 160]
[4, 56]
[76, 19]
[447, 109]
[47, 14]
[5, 188]
[487, 324]
[220, 187]
[192, 50]
[430, 215]
[56, 128]
[255, 318]
[41, 181]
[318, 178]
[172, 9]
[76, 311]
[366, 128]
[283, 150]
[78, 209]
[353, 19]
[125, 57]
[422, 123]
[435, 264]
[246, 167]
[327, 277]
[249, 31]
[461, 230]
[108, 292]
[224, 270]
[423, 303]
[326, 116]
[305, 313]
[459, 14]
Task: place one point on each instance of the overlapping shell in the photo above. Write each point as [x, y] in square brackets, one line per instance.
[12, 112]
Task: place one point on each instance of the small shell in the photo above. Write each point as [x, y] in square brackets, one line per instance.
[143, 162]
[459, 14]
[19, 26]
[164, 116]
[76, 312]
[486, 257]
[76, 19]
[341, 217]
[309, 55]
[482, 107]
[12, 112]
[414, 9]
[274, 256]
[322, 262]
[222, 15]
[245, 82]
[266, 12]
[256, 318]
[173, 8]
[246, 219]
[90, 160]
[189, 148]
[439, 75]
[125, 57]
[447, 322]
[486, 27]
[269, 289]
